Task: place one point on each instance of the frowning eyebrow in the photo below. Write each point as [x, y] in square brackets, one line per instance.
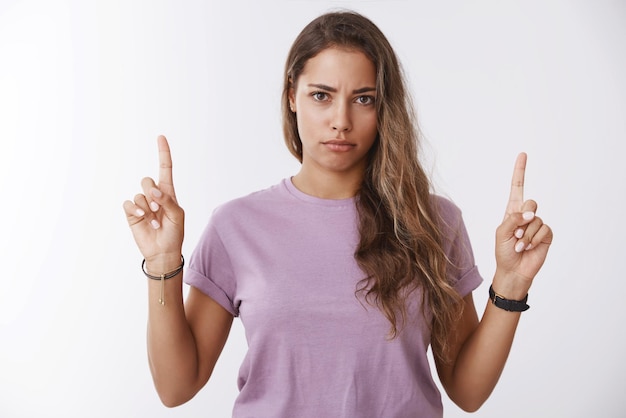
[334, 90]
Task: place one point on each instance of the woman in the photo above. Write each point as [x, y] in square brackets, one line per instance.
[343, 274]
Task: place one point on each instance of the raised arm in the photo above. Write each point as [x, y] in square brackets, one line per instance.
[479, 350]
[184, 342]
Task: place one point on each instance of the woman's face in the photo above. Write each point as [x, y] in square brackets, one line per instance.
[334, 100]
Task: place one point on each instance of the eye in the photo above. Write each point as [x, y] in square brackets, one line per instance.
[365, 100]
[319, 96]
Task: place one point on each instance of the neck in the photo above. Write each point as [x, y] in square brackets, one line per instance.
[328, 185]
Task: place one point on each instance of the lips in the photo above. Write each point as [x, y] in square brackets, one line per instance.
[338, 145]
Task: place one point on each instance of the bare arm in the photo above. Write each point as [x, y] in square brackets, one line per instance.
[479, 354]
[479, 350]
[184, 342]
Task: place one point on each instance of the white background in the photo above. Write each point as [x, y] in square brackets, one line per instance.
[86, 87]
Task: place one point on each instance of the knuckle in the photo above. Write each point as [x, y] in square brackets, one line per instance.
[531, 204]
[147, 181]
[520, 220]
[128, 209]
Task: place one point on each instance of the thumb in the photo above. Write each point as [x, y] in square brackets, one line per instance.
[515, 222]
[512, 223]
[169, 206]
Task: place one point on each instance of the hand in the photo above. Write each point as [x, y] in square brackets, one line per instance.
[522, 240]
[155, 219]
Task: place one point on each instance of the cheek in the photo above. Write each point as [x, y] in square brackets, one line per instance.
[305, 127]
[369, 124]
[309, 121]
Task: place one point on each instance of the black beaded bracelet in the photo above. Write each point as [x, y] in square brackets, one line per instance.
[163, 277]
[508, 304]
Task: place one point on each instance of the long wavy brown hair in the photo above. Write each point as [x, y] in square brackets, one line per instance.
[400, 248]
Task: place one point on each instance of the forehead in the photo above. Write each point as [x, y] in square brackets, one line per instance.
[340, 65]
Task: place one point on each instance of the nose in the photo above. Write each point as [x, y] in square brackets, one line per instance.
[341, 120]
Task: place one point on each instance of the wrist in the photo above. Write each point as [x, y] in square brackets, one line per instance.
[510, 286]
[517, 305]
[162, 263]
[163, 276]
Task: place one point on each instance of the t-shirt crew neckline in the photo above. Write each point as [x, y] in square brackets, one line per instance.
[298, 194]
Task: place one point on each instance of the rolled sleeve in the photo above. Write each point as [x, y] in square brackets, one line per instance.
[210, 270]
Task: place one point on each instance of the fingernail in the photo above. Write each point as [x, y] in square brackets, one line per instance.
[139, 212]
[155, 224]
[154, 206]
[529, 247]
[528, 215]
[519, 247]
[156, 192]
[519, 233]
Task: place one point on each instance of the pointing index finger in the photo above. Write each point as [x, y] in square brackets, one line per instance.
[516, 197]
[166, 183]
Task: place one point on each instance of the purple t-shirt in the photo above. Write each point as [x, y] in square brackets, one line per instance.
[283, 261]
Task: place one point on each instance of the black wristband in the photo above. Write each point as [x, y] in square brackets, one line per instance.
[164, 276]
[508, 304]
